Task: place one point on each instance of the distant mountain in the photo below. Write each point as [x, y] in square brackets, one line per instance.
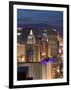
[35, 26]
[41, 26]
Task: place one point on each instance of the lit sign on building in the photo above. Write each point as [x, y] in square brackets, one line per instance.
[48, 60]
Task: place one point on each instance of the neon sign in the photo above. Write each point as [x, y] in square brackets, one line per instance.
[48, 60]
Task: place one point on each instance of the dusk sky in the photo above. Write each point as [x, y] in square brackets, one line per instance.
[40, 19]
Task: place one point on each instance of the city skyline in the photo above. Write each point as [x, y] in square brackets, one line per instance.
[39, 44]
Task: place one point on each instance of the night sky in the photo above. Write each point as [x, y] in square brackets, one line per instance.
[40, 20]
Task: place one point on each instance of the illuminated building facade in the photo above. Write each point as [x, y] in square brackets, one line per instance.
[60, 46]
[38, 48]
[44, 44]
[30, 48]
[20, 53]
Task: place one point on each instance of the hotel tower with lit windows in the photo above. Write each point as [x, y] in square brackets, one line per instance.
[36, 49]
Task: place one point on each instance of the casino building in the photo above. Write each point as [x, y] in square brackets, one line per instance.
[34, 50]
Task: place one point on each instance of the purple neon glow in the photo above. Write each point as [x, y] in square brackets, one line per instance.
[51, 60]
